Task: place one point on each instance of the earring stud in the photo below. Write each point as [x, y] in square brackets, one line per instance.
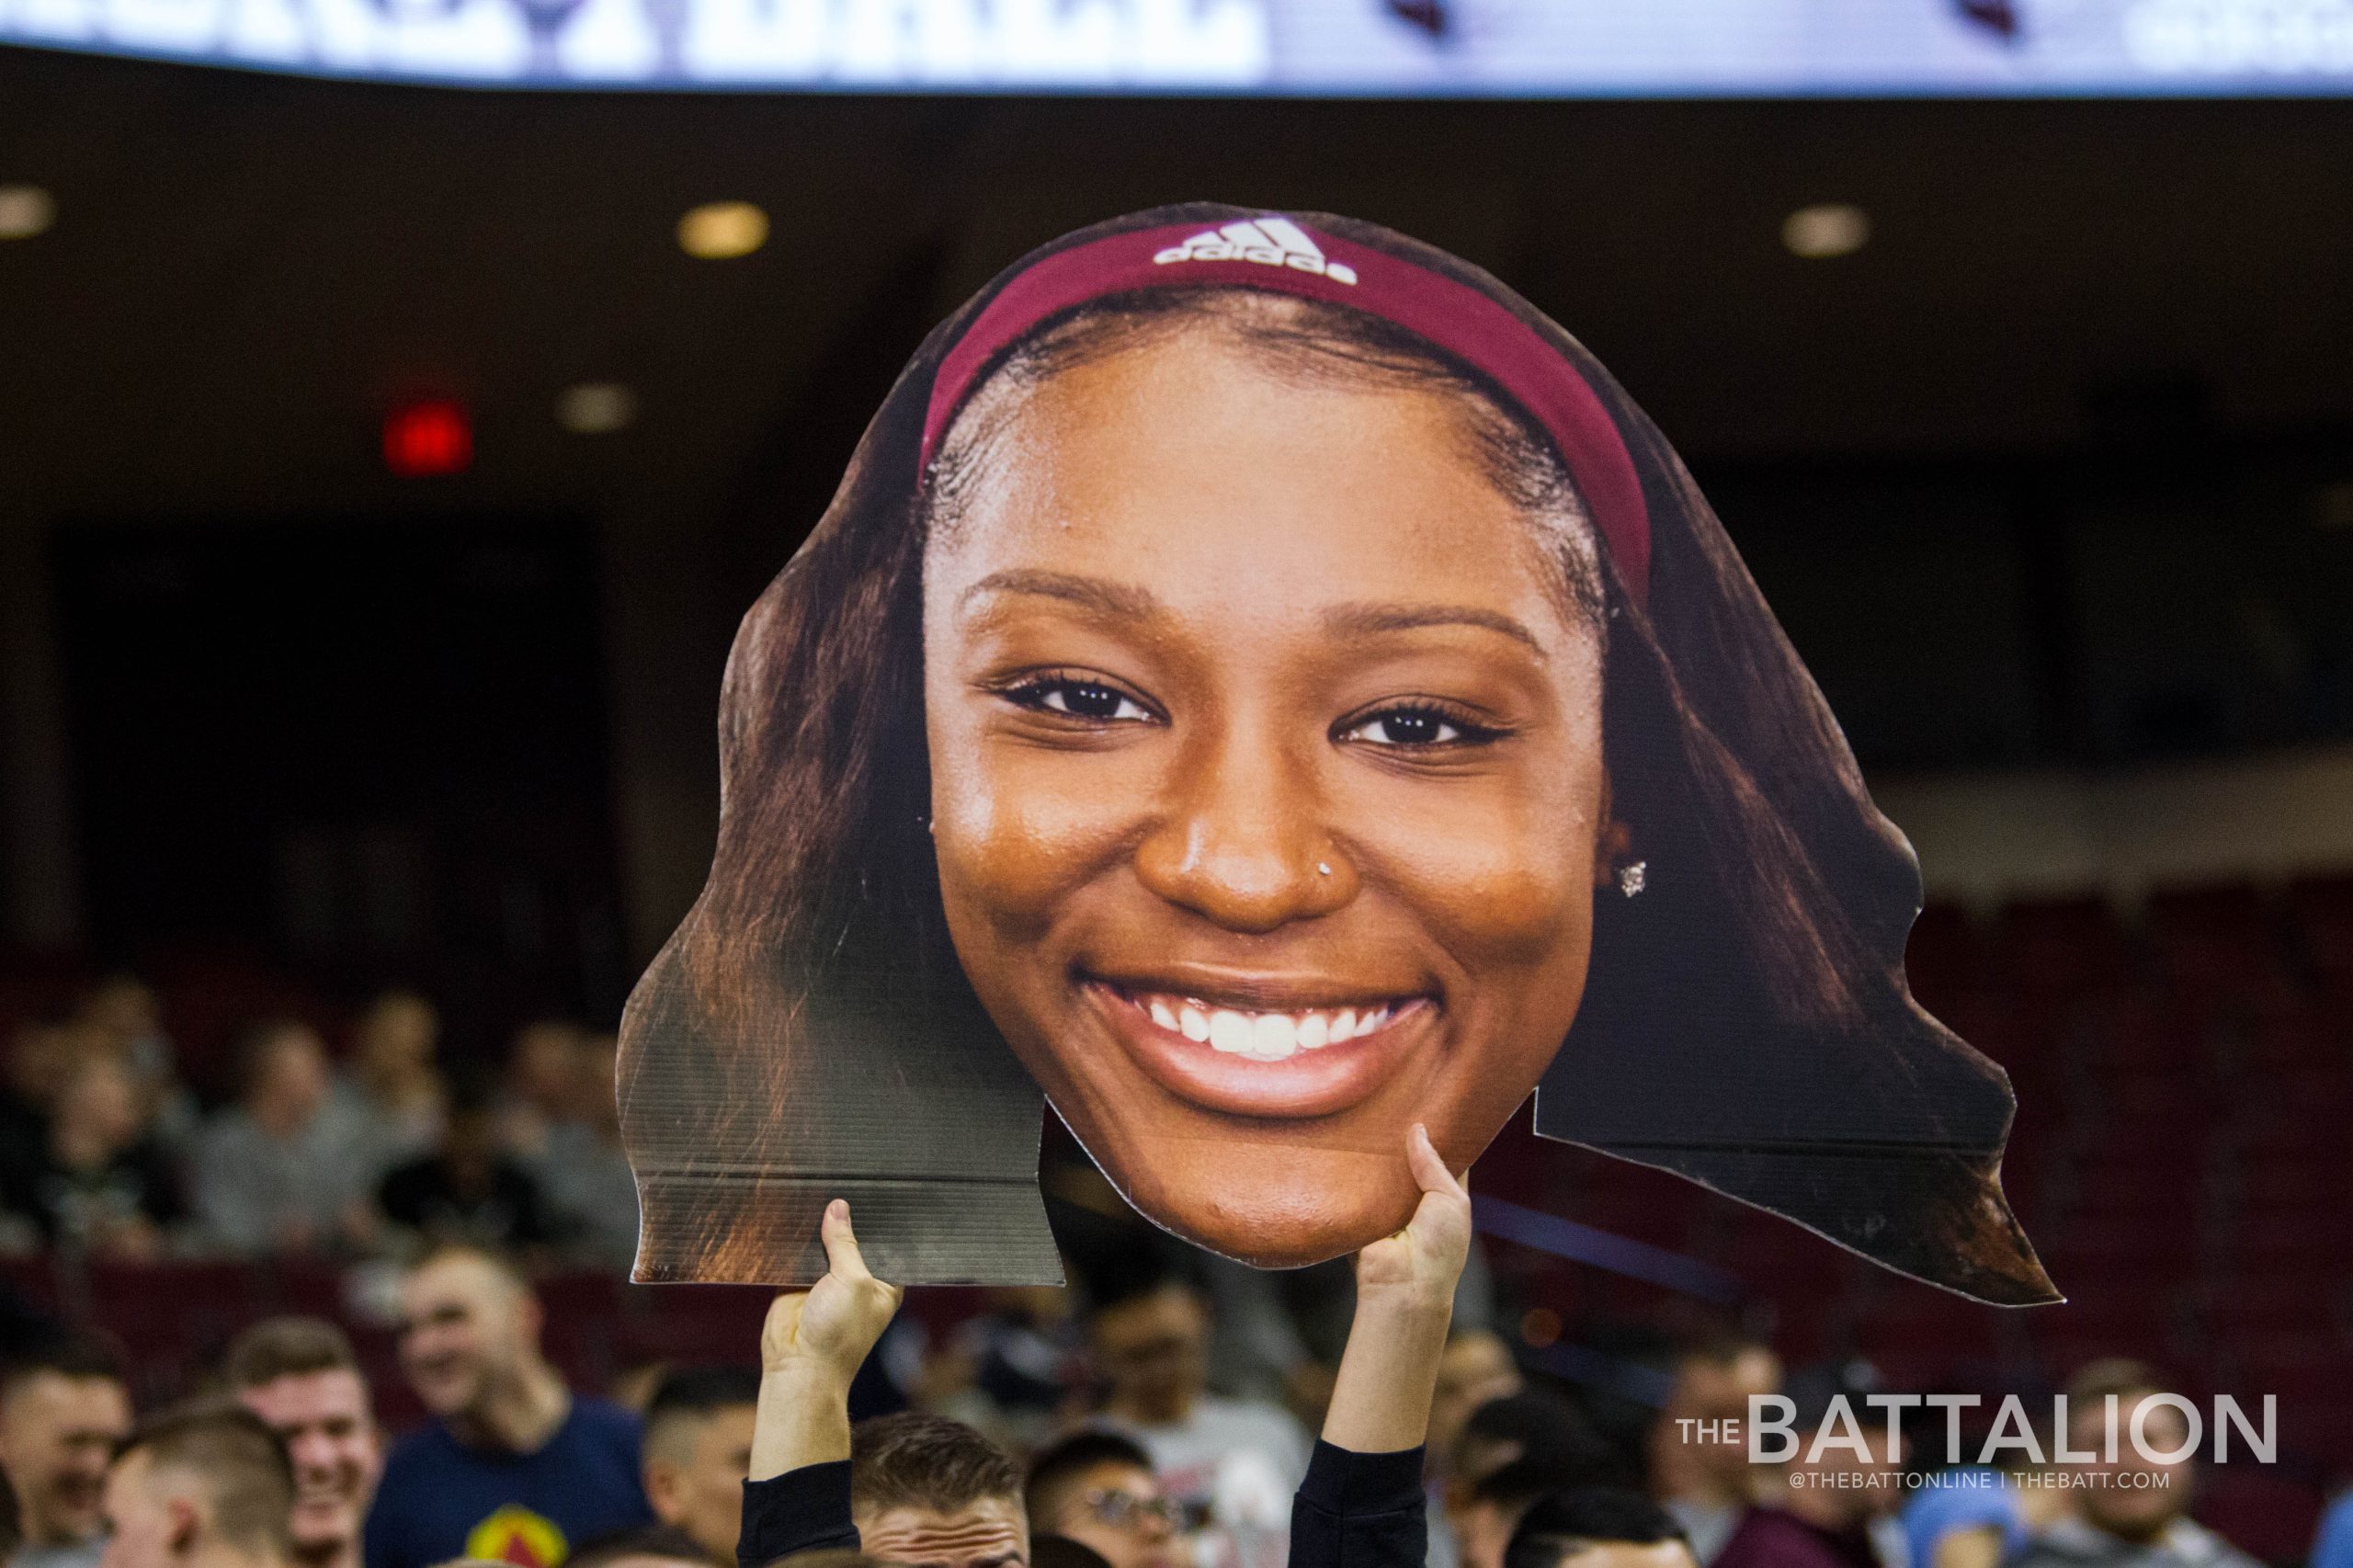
[1632, 877]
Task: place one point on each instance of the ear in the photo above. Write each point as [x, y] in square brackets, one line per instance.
[187, 1525]
[1613, 842]
[661, 1479]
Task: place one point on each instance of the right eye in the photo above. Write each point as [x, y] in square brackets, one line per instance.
[1079, 698]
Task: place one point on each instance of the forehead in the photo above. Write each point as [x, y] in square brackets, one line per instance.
[729, 1427]
[330, 1393]
[1188, 465]
[1116, 1475]
[992, 1526]
[56, 1398]
[453, 1282]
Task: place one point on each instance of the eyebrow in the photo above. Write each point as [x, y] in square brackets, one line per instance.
[1101, 594]
[1130, 602]
[1369, 620]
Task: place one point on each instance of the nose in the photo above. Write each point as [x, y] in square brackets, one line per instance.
[1244, 839]
[313, 1453]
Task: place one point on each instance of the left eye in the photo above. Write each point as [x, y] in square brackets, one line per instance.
[1408, 727]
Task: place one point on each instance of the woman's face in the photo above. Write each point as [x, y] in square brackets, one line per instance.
[1266, 785]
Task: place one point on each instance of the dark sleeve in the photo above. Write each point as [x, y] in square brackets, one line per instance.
[532, 1226]
[1359, 1511]
[401, 1195]
[802, 1510]
[159, 1185]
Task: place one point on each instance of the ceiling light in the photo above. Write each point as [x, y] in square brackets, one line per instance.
[1827, 230]
[595, 408]
[719, 229]
[25, 211]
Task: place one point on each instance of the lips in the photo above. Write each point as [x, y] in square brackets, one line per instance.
[1242, 1049]
[1259, 1035]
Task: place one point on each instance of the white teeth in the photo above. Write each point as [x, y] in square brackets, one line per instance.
[1261, 1037]
[1273, 1036]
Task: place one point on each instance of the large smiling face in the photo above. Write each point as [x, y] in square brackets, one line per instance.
[1268, 785]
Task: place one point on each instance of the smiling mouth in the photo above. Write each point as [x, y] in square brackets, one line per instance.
[1224, 1048]
[1262, 1036]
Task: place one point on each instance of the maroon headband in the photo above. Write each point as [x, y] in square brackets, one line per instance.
[1275, 253]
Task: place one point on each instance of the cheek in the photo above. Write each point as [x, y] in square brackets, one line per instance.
[1502, 869]
[1015, 827]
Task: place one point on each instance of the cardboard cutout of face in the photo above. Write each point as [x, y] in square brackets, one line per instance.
[1263, 686]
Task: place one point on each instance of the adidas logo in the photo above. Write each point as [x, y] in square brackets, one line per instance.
[1269, 241]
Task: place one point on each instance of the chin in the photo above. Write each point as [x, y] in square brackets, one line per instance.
[1269, 1204]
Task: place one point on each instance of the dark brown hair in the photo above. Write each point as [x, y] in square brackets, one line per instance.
[918, 1460]
[1746, 1022]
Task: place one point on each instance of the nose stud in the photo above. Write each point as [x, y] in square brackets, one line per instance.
[1323, 867]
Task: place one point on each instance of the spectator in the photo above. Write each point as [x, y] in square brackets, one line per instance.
[396, 1094]
[124, 1011]
[1234, 1462]
[926, 1489]
[1361, 1504]
[42, 1056]
[1818, 1509]
[63, 1409]
[1477, 1367]
[2131, 1511]
[1700, 1467]
[300, 1375]
[1098, 1489]
[1017, 1371]
[95, 1181]
[1597, 1527]
[1979, 1516]
[277, 1173]
[698, 1449]
[543, 1088]
[512, 1467]
[467, 1193]
[2333, 1545]
[590, 1190]
[1510, 1451]
[1483, 1515]
[201, 1486]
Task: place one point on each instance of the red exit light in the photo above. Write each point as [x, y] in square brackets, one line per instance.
[429, 440]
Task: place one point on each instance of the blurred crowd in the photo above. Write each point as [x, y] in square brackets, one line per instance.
[378, 1148]
[1086, 1434]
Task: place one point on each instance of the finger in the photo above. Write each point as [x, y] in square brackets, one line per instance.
[843, 1259]
[1428, 1170]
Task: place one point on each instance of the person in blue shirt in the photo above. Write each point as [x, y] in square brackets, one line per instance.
[513, 1468]
[1977, 1511]
[2332, 1547]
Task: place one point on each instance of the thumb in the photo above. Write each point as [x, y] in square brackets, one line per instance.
[1429, 1171]
[842, 1257]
